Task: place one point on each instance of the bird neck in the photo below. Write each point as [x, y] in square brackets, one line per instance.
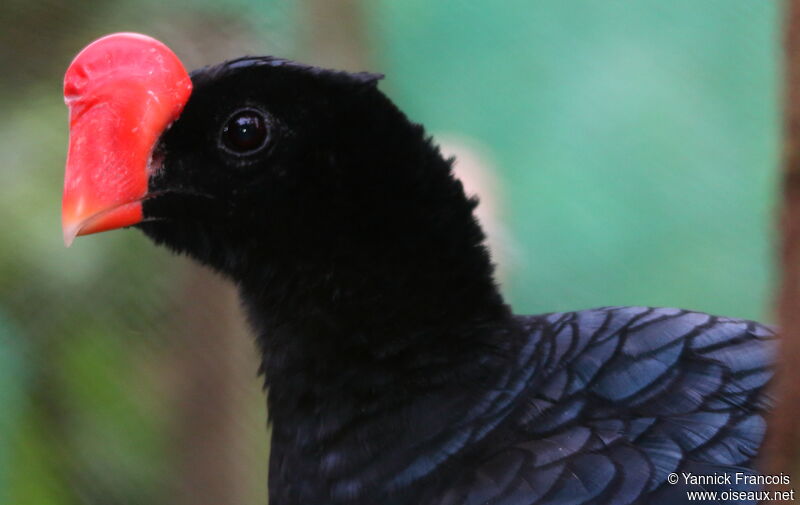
[383, 311]
[357, 362]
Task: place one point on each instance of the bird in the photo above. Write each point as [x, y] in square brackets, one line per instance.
[396, 372]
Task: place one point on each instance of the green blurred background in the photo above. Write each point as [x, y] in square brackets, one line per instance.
[625, 152]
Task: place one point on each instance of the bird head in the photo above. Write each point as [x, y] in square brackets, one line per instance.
[260, 162]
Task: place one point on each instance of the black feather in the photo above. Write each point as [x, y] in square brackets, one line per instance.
[396, 373]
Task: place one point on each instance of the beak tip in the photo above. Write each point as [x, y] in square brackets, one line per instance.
[69, 235]
[110, 218]
[71, 230]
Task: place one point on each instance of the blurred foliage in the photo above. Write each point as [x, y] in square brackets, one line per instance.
[635, 139]
[13, 377]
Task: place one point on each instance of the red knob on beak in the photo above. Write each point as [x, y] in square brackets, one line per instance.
[122, 91]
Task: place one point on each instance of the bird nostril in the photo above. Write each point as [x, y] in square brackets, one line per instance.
[155, 162]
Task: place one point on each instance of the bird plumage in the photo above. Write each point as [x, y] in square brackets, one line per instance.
[597, 406]
[396, 372]
[620, 398]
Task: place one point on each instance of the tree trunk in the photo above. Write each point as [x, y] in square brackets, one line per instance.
[782, 444]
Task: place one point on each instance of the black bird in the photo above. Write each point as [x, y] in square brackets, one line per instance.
[396, 372]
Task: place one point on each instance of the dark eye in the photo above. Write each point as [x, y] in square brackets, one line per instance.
[245, 132]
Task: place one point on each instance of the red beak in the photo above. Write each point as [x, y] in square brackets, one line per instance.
[122, 91]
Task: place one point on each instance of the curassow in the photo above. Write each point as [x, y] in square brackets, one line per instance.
[396, 372]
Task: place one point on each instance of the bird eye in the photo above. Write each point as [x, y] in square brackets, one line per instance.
[245, 132]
